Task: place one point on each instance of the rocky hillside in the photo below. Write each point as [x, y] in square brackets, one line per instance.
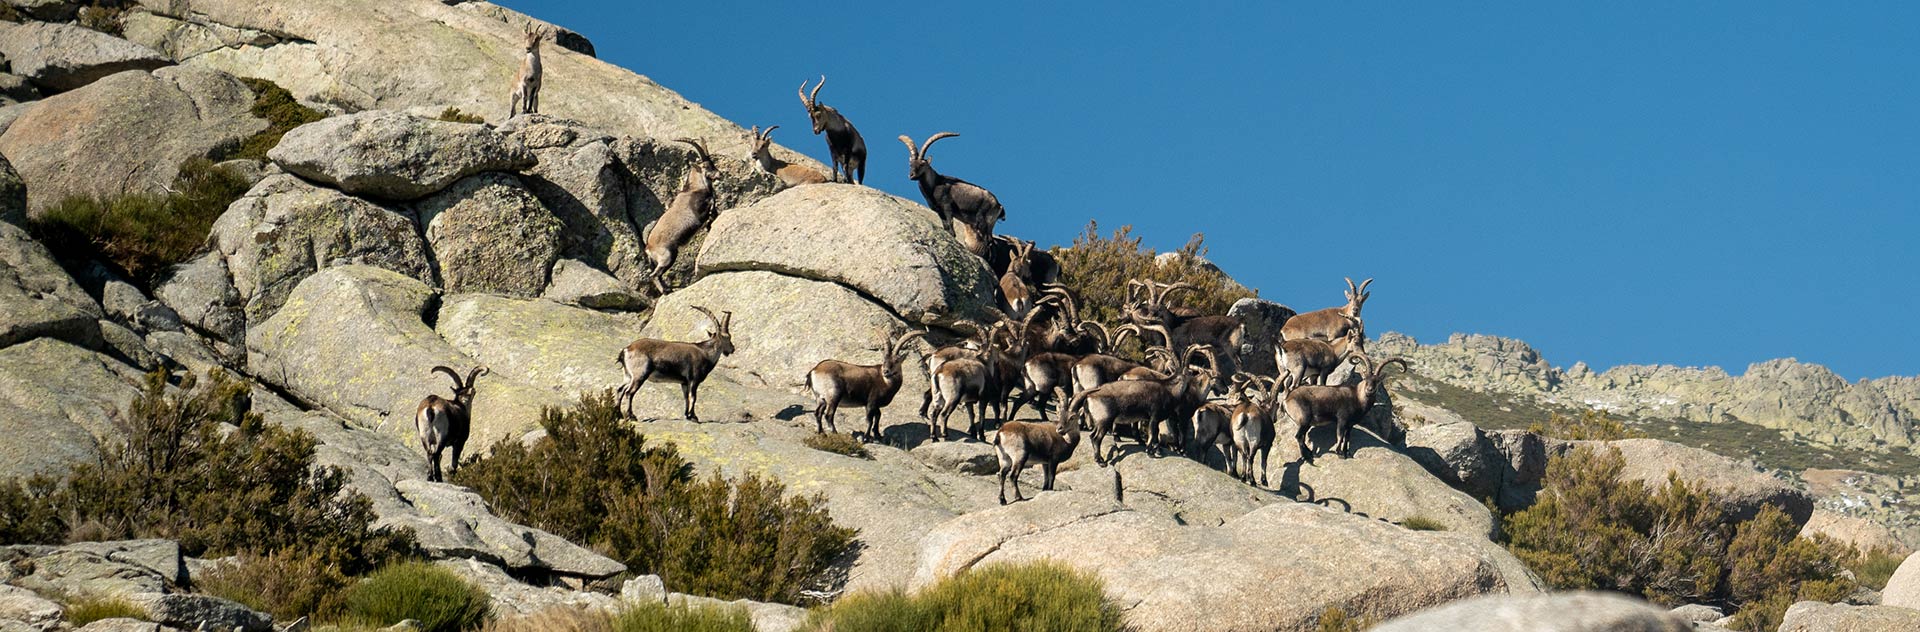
[378, 241]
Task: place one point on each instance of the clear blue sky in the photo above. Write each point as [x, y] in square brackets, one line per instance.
[1682, 183]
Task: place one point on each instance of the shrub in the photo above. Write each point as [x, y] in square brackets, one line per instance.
[1041, 596]
[1336, 619]
[1591, 425]
[103, 16]
[93, 608]
[1423, 523]
[440, 600]
[287, 584]
[454, 114]
[282, 113]
[10, 14]
[594, 479]
[144, 234]
[837, 443]
[646, 617]
[1097, 269]
[1872, 568]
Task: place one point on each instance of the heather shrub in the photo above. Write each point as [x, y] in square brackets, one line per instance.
[837, 443]
[453, 114]
[1041, 597]
[437, 598]
[1097, 269]
[281, 111]
[144, 234]
[1591, 425]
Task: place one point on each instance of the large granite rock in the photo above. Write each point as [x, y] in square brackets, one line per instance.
[180, 40]
[38, 299]
[62, 57]
[1460, 454]
[201, 291]
[782, 325]
[60, 402]
[489, 234]
[74, 572]
[565, 349]
[1263, 319]
[395, 156]
[1377, 481]
[1861, 533]
[22, 609]
[127, 133]
[1172, 577]
[575, 282]
[1558, 612]
[1814, 616]
[353, 340]
[882, 246]
[201, 612]
[1903, 589]
[285, 229]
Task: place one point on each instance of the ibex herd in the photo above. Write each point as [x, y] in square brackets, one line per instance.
[1185, 389]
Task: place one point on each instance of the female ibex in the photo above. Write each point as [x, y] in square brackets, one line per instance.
[690, 211]
[844, 143]
[1047, 443]
[688, 363]
[526, 85]
[790, 174]
[873, 385]
[972, 209]
[446, 423]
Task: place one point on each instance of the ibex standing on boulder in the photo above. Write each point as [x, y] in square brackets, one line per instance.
[1332, 323]
[688, 363]
[690, 211]
[972, 209]
[849, 150]
[445, 423]
[526, 86]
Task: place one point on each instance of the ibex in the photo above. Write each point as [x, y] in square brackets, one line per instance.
[849, 151]
[970, 380]
[1016, 295]
[972, 209]
[1150, 402]
[690, 211]
[1252, 426]
[526, 85]
[1331, 323]
[1224, 334]
[1341, 406]
[1308, 361]
[1043, 267]
[790, 174]
[834, 383]
[1017, 442]
[688, 363]
[446, 423]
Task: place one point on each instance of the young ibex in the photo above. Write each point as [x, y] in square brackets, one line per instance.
[1049, 444]
[1331, 323]
[1095, 369]
[690, 211]
[844, 143]
[1308, 361]
[1341, 406]
[1213, 426]
[972, 209]
[1016, 295]
[834, 383]
[790, 174]
[688, 363]
[526, 85]
[445, 423]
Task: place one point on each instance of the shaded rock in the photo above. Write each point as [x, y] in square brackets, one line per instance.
[21, 609]
[489, 234]
[882, 246]
[1742, 488]
[1525, 455]
[965, 457]
[285, 229]
[124, 344]
[1903, 589]
[60, 401]
[201, 292]
[127, 133]
[65, 571]
[37, 297]
[189, 611]
[1263, 319]
[782, 325]
[582, 180]
[1203, 577]
[352, 340]
[62, 57]
[1558, 612]
[13, 194]
[454, 522]
[15, 89]
[160, 556]
[393, 155]
[577, 283]
[1377, 482]
[46, 10]
[193, 352]
[511, 596]
[565, 349]
[128, 304]
[1813, 616]
[1459, 454]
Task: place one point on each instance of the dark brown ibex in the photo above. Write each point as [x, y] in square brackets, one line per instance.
[446, 423]
[1150, 402]
[872, 385]
[973, 210]
[687, 363]
[1342, 406]
[844, 143]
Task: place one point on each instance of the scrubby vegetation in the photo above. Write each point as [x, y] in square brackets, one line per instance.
[1873, 567]
[453, 114]
[91, 608]
[1039, 597]
[282, 113]
[646, 617]
[1671, 543]
[837, 443]
[1589, 425]
[437, 598]
[1335, 619]
[594, 480]
[144, 234]
[103, 15]
[1097, 269]
[1423, 523]
[200, 468]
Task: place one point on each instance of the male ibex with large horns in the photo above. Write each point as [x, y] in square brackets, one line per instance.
[972, 209]
[688, 363]
[446, 423]
[844, 143]
[1342, 406]
[872, 385]
[1332, 323]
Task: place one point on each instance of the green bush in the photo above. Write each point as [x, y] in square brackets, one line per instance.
[440, 600]
[1672, 544]
[1872, 568]
[287, 584]
[593, 479]
[1591, 425]
[10, 14]
[646, 617]
[282, 113]
[453, 114]
[144, 234]
[1336, 619]
[1423, 523]
[1097, 269]
[91, 608]
[1039, 597]
[836, 443]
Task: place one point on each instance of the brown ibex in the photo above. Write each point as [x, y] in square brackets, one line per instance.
[690, 211]
[446, 423]
[973, 210]
[687, 363]
[1332, 323]
[872, 385]
[790, 174]
[1342, 406]
[526, 85]
[1018, 442]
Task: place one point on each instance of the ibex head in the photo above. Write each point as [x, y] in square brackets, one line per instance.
[534, 34]
[705, 163]
[462, 389]
[820, 114]
[719, 329]
[918, 168]
[1356, 296]
[762, 142]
